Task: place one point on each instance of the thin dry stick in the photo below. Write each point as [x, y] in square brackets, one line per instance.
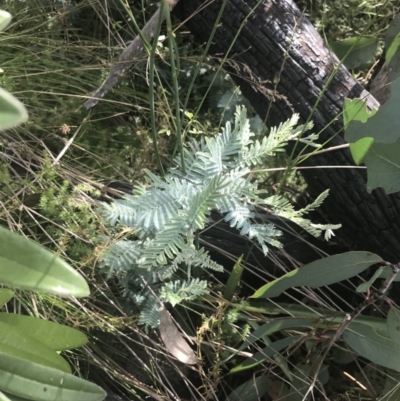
[128, 58]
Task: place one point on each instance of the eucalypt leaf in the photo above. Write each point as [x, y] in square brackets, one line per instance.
[378, 348]
[24, 379]
[27, 265]
[54, 335]
[382, 272]
[322, 272]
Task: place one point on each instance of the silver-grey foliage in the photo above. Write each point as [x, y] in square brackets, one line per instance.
[168, 212]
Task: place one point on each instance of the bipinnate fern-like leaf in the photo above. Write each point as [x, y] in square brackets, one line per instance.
[189, 257]
[178, 291]
[167, 212]
[121, 210]
[121, 256]
[283, 208]
[166, 244]
[149, 311]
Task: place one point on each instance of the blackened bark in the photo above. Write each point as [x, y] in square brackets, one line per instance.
[268, 29]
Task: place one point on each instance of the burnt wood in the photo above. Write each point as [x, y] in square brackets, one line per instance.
[281, 64]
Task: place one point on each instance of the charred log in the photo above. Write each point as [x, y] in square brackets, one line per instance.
[282, 65]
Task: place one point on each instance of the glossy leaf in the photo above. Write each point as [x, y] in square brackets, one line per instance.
[319, 273]
[5, 296]
[20, 344]
[269, 351]
[55, 336]
[12, 113]
[355, 51]
[364, 340]
[27, 265]
[5, 19]
[30, 380]
[252, 390]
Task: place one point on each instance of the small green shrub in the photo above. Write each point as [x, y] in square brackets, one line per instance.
[167, 213]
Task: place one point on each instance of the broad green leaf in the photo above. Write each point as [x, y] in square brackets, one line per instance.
[393, 322]
[383, 166]
[386, 272]
[55, 336]
[27, 265]
[393, 48]
[394, 64]
[360, 149]
[20, 344]
[12, 111]
[364, 287]
[355, 51]
[16, 398]
[392, 31]
[341, 356]
[383, 125]
[355, 110]
[269, 351]
[364, 340]
[5, 296]
[27, 379]
[274, 326]
[252, 390]
[5, 19]
[324, 317]
[12, 397]
[319, 273]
